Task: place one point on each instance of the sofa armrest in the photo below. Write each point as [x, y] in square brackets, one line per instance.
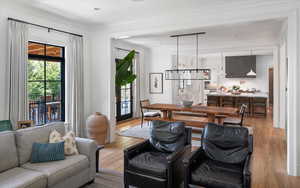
[88, 148]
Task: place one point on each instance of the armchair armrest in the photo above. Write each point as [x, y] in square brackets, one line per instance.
[136, 149]
[176, 155]
[247, 172]
[193, 157]
[88, 148]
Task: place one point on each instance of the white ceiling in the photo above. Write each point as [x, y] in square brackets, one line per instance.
[120, 11]
[247, 34]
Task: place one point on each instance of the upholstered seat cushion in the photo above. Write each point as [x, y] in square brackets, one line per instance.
[151, 114]
[218, 175]
[22, 178]
[233, 121]
[150, 163]
[57, 171]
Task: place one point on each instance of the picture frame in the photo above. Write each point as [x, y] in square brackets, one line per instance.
[24, 124]
[156, 83]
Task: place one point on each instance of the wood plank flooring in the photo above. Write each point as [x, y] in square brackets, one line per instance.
[268, 162]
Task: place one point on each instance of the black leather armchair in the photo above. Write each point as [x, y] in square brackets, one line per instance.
[157, 162]
[222, 161]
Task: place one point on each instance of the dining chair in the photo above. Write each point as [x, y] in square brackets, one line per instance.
[237, 121]
[145, 112]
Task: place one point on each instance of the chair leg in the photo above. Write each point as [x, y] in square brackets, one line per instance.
[142, 122]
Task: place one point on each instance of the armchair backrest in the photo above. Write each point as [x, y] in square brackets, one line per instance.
[168, 136]
[226, 144]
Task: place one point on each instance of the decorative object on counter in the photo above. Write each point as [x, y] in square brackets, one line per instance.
[24, 124]
[156, 83]
[188, 74]
[235, 90]
[97, 127]
[187, 104]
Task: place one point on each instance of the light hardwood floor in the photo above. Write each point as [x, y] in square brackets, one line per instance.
[268, 162]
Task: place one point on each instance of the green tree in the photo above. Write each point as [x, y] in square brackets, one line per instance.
[36, 76]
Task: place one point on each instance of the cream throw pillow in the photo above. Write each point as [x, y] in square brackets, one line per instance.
[69, 139]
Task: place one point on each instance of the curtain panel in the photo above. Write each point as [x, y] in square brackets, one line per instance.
[17, 71]
[75, 86]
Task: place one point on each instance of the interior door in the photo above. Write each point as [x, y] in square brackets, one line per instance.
[124, 102]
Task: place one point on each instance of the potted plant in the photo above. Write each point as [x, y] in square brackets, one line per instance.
[124, 73]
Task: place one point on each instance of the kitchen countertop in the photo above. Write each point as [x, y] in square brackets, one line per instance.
[258, 94]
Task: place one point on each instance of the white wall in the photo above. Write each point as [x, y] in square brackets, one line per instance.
[14, 10]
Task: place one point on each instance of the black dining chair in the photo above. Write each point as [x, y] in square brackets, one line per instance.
[146, 113]
[237, 121]
[222, 161]
[157, 162]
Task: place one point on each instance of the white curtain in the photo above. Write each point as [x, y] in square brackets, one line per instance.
[17, 70]
[75, 87]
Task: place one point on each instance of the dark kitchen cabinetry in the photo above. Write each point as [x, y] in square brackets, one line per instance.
[239, 66]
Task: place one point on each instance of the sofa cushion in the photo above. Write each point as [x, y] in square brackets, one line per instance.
[150, 163]
[47, 152]
[58, 171]
[22, 178]
[8, 151]
[26, 137]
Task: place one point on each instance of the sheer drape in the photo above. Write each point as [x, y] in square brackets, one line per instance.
[17, 71]
[75, 87]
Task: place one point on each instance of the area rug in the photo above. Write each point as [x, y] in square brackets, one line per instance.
[144, 132]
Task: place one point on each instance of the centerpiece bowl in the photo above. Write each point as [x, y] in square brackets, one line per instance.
[187, 104]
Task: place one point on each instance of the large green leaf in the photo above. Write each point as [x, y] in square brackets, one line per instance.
[124, 74]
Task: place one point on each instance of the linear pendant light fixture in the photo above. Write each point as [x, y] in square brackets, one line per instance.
[188, 74]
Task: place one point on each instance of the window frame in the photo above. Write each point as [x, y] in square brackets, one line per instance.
[46, 59]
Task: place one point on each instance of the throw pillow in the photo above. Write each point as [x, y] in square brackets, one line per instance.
[5, 125]
[70, 144]
[47, 152]
[69, 140]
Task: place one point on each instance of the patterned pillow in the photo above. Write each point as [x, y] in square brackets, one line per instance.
[69, 140]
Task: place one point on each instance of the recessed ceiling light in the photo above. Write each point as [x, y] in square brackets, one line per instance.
[137, 0]
[123, 37]
[97, 9]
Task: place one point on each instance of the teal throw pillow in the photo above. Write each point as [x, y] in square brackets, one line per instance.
[5, 125]
[47, 152]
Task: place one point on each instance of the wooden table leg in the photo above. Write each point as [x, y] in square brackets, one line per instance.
[220, 121]
[211, 118]
[165, 114]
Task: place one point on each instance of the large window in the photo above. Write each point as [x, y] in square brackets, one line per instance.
[46, 84]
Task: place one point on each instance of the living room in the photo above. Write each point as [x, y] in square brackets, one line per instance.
[71, 48]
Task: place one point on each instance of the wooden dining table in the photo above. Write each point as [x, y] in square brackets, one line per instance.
[212, 112]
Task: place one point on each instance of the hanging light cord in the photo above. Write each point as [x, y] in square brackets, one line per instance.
[177, 52]
[197, 51]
